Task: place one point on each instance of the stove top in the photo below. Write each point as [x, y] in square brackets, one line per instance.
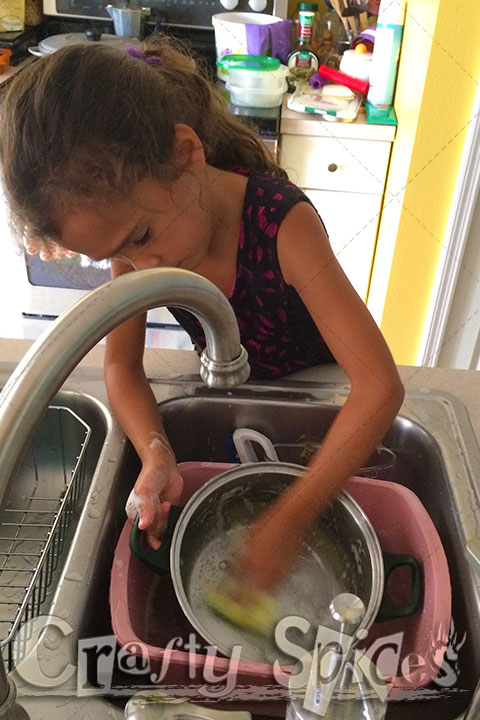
[202, 43]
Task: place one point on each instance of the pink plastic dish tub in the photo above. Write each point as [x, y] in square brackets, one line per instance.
[148, 621]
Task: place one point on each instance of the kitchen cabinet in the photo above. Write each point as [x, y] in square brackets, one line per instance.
[342, 167]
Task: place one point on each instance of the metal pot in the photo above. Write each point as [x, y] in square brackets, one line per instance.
[51, 44]
[340, 554]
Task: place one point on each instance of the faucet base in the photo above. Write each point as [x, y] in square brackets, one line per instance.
[224, 375]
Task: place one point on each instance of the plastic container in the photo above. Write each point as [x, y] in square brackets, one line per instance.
[254, 72]
[146, 614]
[236, 32]
[249, 97]
[356, 64]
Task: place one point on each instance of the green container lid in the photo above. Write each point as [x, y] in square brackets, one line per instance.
[312, 7]
[249, 62]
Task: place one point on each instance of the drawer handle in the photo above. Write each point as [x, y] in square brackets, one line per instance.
[332, 167]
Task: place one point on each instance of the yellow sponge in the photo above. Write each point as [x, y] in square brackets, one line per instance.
[241, 605]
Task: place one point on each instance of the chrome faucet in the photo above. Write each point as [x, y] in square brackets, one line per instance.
[51, 359]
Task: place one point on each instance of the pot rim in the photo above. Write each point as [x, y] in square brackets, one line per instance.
[46, 48]
[290, 469]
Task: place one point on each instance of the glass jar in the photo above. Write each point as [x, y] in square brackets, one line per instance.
[309, 7]
[302, 61]
[330, 39]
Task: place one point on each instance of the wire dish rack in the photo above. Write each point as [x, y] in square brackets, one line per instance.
[43, 499]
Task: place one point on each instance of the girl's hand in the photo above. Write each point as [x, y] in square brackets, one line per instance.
[158, 486]
[272, 545]
[46, 249]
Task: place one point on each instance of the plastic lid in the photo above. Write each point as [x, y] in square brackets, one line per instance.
[308, 6]
[249, 62]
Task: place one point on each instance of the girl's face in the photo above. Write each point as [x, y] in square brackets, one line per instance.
[160, 225]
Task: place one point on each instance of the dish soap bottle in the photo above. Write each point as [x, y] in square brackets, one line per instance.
[386, 51]
[302, 61]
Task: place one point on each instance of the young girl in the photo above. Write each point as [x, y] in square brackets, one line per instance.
[131, 156]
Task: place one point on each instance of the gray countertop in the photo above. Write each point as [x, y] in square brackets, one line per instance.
[464, 384]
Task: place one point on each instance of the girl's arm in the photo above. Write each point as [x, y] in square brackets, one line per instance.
[133, 403]
[309, 265]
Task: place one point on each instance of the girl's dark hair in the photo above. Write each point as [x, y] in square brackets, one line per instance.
[91, 120]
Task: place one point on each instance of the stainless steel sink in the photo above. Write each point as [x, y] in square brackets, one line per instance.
[43, 510]
[437, 457]
[70, 665]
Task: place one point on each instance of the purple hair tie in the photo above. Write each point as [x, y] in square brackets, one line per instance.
[142, 55]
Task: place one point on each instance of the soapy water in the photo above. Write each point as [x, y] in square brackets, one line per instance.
[306, 593]
[328, 564]
[322, 570]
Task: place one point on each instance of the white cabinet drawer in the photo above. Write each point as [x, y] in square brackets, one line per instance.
[351, 221]
[335, 163]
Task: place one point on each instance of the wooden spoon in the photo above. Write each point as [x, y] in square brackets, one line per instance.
[363, 17]
[336, 6]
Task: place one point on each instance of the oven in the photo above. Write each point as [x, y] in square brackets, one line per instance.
[51, 287]
[193, 14]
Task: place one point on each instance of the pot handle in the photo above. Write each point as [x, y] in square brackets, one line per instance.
[35, 50]
[156, 560]
[388, 609]
[244, 440]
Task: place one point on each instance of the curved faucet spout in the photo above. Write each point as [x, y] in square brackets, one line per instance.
[56, 353]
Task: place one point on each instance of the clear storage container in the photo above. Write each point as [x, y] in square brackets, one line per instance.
[254, 80]
[249, 96]
[254, 71]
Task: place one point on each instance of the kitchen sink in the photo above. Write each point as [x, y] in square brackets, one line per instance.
[67, 661]
[42, 512]
[436, 456]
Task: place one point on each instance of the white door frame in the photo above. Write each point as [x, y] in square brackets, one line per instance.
[454, 242]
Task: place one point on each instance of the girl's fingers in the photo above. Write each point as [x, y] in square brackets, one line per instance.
[31, 247]
[147, 516]
[153, 541]
[47, 250]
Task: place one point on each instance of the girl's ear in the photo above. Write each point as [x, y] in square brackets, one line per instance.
[188, 148]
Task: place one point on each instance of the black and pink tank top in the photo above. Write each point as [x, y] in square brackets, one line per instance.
[275, 326]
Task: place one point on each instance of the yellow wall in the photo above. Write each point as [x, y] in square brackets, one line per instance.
[438, 76]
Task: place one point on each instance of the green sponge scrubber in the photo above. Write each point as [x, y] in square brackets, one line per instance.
[249, 609]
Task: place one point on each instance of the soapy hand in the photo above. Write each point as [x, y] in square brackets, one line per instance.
[158, 486]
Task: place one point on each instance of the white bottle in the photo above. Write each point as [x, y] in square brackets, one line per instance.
[388, 39]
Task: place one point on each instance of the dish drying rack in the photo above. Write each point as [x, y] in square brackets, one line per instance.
[43, 499]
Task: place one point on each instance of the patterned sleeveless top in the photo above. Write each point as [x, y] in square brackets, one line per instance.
[275, 327]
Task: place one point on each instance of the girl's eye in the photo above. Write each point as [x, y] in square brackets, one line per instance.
[143, 240]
